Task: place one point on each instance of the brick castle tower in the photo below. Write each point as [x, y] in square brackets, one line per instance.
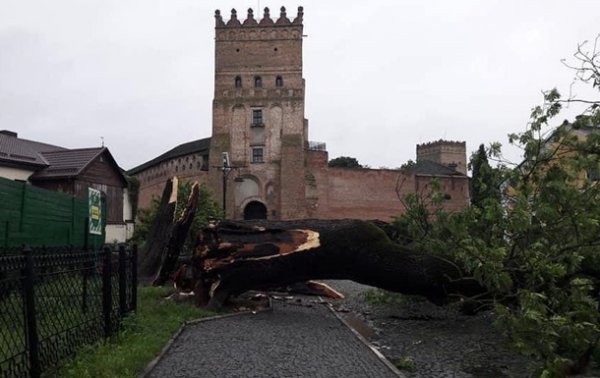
[258, 116]
[449, 153]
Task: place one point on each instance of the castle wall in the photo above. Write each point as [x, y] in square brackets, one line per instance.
[188, 168]
[336, 193]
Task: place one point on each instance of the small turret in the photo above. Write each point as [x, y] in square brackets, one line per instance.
[266, 20]
[299, 17]
[283, 20]
[250, 18]
[233, 21]
[218, 18]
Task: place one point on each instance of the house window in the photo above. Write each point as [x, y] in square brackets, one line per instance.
[257, 117]
[279, 81]
[257, 155]
[238, 81]
[257, 81]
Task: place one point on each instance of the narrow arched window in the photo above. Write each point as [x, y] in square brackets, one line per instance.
[257, 81]
[238, 81]
[279, 81]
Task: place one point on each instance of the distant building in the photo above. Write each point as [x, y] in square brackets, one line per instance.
[70, 171]
[259, 123]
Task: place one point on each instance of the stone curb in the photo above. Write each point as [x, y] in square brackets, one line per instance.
[362, 339]
[165, 349]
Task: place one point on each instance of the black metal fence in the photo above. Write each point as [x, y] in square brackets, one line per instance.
[53, 300]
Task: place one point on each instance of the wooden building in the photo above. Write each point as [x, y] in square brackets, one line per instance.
[70, 171]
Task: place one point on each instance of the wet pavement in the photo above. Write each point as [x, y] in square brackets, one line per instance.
[439, 341]
[297, 339]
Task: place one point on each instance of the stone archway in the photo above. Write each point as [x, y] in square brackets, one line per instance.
[255, 210]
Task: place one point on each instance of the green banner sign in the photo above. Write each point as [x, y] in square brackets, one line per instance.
[95, 214]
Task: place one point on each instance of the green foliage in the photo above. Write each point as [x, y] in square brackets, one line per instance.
[207, 209]
[408, 165]
[485, 182]
[537, 250]
[344, 162]
[145, 334]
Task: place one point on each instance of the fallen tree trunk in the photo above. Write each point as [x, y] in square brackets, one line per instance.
[236, 257]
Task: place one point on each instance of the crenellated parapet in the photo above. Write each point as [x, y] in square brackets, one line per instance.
[266, 20]
[441, 142]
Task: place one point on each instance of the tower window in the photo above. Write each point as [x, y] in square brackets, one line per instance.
[257, 155]
[238, 81]
[257, 117]
[257, 81]
[279, 81]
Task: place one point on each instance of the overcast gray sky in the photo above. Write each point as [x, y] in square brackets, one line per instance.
[381, 76]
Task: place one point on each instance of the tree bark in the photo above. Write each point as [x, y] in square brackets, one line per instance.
[179, 233]
[236, 257]
[151, 256]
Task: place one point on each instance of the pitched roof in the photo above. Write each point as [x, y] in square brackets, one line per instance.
[71, 163]
[67, 163]
[195, 146]
[426, 167]
[16, 151]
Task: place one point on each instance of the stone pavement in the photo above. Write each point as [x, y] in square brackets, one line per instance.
[296, 339]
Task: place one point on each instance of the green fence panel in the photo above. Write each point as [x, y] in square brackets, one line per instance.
[35, 216]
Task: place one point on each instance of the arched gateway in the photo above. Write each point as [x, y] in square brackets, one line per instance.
[255, 210]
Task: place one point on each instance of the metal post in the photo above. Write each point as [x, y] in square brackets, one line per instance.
[84, 286]
[106, 290]
[224, 192]
[86, 232]
[32, 336]
[122, 280]
[134, 277]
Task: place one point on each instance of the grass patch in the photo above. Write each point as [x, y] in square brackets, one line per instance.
[143, 337]
[406, 364]
[379, 296]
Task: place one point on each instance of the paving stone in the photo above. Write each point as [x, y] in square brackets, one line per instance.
[291, 341]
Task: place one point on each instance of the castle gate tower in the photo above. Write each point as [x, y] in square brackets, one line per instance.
[258, 116]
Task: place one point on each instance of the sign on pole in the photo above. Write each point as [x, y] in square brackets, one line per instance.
[95, 211]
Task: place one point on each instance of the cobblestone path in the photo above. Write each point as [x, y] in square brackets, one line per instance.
[294, 340]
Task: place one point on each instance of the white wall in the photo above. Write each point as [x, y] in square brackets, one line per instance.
[119, 232]
[15, 173]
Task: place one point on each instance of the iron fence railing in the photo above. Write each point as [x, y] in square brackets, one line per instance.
[54, 300]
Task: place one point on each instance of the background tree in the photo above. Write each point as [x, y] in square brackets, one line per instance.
[207, 209]
[485, 180]
[344, 162]
[537, 254]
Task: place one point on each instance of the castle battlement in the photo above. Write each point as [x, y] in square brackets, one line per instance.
[266, 20]
[441, 142]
